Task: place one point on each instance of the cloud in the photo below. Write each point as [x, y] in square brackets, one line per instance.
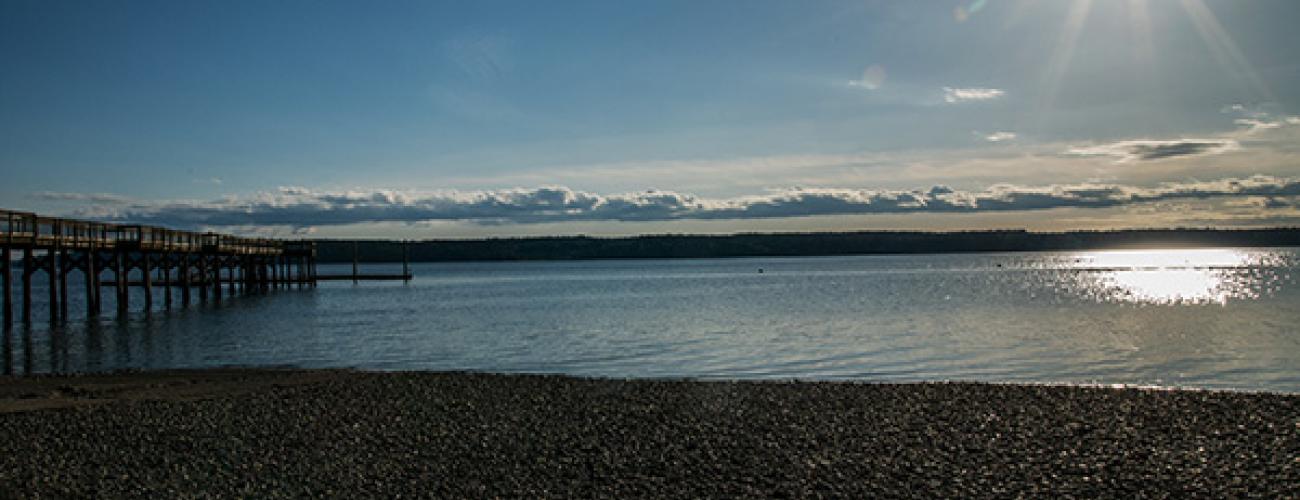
[1259, 117]
[1266, 123]
[304, 208]
[955, 95]
[1147, 150]
[101, 198]
[1274, 202]
[1000, 137]
[1254, 124]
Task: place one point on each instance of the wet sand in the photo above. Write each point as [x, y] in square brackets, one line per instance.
[341, 433]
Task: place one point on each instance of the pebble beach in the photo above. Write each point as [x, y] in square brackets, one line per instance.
[339, 433]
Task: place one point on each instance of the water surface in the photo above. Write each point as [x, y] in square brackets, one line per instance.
[1214, 318]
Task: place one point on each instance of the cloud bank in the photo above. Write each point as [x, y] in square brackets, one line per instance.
[303, 208]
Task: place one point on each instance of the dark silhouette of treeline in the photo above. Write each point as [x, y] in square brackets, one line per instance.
[795, 244]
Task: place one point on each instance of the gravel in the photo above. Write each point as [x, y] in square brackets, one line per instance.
[358, 434]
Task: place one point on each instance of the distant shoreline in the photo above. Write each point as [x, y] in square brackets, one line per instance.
[253, 432]
[794, 244]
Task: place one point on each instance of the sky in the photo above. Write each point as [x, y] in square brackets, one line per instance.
[476, 119]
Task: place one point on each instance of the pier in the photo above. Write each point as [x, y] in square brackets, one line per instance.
[194, 265]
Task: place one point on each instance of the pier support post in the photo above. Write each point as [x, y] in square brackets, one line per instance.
[6, 267]
[355, 258]
[406, 262]
[146, 277]
[91, 273]
[216, 279]
[28, 267]
[52, 269]
[64, 268]
[167, 280]
[183, 271]
[120, 275]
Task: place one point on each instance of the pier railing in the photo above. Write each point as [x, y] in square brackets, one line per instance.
[29, 229]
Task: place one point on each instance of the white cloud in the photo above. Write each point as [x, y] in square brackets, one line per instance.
[955, 95]
[1259, 118]
[1260, 124]
[1000, 137]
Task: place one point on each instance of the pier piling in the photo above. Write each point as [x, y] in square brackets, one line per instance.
[146, 274]
[7, 284]
[52, 270]
[65, 266]
[28, 266]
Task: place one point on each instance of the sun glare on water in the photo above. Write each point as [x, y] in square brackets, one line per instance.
[1202, 276]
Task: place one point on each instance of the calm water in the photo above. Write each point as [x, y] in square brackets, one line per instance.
[1220, 318]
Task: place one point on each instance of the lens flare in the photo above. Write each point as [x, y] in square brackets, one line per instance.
[963, 12]
[872, 78]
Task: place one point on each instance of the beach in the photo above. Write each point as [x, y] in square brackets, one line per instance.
[292, 433]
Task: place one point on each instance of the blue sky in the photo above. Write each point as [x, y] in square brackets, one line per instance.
[463, 119]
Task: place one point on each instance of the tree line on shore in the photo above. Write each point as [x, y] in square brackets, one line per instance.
[793, 244]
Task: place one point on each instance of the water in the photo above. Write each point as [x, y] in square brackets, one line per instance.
[1213, 318]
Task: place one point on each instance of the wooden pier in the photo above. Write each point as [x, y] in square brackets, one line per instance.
[204, 264]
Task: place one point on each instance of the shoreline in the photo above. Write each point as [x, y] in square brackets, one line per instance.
[40, 391]
[293, 432]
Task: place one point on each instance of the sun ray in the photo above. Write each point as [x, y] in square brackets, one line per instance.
[1060, 61]
[1146, 65]
[1140, 24]
[1225, 51]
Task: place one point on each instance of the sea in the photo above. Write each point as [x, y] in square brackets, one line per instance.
[1214, 318]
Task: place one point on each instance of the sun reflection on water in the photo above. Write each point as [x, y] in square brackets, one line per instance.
[1200, 276]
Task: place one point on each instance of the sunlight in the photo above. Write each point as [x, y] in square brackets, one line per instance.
[1169, 287]
[1144, 49]
[1201, 276]
[1061, 57]
[1224, 50]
